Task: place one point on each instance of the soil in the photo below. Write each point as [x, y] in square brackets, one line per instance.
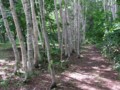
[89, 72]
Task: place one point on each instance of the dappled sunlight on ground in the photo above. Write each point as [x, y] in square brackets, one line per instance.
[91, 72]
[90, 81]
[6, 69]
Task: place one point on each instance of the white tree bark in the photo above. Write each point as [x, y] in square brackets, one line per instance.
[78, 29]
[75, 25]
[58, 26]
[47, 45]
[20, 37]
[10, 36]
[63, 27]
[26, 5]
[35, 34]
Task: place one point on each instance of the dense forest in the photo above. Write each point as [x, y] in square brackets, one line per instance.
[59, 45]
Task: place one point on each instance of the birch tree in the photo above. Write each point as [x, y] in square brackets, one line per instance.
[10, 36]
[58, 26]
[35, 34]
[27, 10]
[47, 45]
[110, 5]
[20, 37]
[63, 26]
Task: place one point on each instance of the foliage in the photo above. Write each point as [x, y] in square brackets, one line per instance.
[4, 84]
[103, 31]
[95, 27]
[112, 43]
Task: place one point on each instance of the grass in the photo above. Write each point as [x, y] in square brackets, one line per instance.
[4, 52]
[4, 84]
[4, 46]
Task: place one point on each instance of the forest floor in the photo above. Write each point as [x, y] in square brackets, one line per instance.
[89, 72]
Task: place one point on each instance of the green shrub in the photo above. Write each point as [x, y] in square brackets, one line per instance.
[111, 44]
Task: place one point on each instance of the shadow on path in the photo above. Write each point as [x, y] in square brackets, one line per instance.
[90, 72]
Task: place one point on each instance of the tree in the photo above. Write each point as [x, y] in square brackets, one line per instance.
[27, 10]
[20, 36]
[58, 26]
[35, 34]
[10, 36]
[47, 42]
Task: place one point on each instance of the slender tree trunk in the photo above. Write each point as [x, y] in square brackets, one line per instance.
[35, 34]
[39, 14]
[114, 9]
[39, 23]
[10, 36]
[78, 29]
[63, 27]
[46, 41]
[68, 30]
[65, 32]
[20, 37]
[75, 25]
[27, 10]
[58, 26]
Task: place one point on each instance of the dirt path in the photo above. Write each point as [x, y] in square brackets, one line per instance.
[90, 72]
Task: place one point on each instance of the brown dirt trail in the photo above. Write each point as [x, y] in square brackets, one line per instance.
[90, 72]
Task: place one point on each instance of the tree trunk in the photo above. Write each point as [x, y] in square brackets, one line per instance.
[35, 34]
[75, 25]
[58, 26]
[46, 41]
[20, 37]
[63, 27]
[10, 36]
[78, 29]
[27, 10]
